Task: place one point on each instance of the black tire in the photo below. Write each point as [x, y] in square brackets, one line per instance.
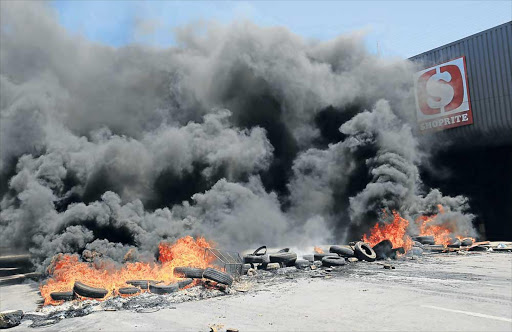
[342, 251]
[163, 289]
[466, 242]
[129, 290]
[144, 284]
[454, 243]
[188, 272]
[62, 296]
[284, 258]
[253, 259]
[258, 252]
[309, 258]
[218, 276]
[478, 248]
[320, 256]
[364, 252]
[425, 239]
[333, 261]
[88, 291]
[302, 264]
[384, 249]
[284, 250]
[185, 282]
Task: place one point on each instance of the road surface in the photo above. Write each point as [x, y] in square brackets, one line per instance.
[442, 292]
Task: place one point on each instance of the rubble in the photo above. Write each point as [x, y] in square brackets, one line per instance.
[10, 318]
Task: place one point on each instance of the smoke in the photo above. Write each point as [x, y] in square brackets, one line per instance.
[243, 134]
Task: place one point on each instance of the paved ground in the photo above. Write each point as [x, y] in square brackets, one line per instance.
[444, 292]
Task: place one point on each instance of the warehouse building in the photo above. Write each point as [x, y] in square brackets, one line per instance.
[463, 97]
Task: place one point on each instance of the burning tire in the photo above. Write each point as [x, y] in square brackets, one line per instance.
[333, 261]
[320, 256]
[466, 242]
[188, 272]
[163, 289]
[284, 258]
[129, 290]
[455, 243]
[62, 296]
[383, 249]
[342, 251]
[302, 264]
[425, 239]
[144, 284]
[88, 291]
[364, 252]
[185, 282]
[218, 276]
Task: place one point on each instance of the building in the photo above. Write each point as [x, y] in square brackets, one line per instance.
[471, 79]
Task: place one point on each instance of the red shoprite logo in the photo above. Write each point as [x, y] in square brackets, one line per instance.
[442, 98]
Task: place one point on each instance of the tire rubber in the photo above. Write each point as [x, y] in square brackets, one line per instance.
[333, 261]
[342, 251]
[285, 258]
[188, 272]
[218, 276]
[88, 291]
[319, 256]
[163, 289]
[62, 296]
[364, 252]
[128, 290]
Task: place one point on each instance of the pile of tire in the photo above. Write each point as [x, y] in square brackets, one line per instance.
[261, 260]
[258, 259]
[284, 257]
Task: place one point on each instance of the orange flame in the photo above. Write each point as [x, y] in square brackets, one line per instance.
[66, 269]
[318, 250]
[396, 232]
[442, 233]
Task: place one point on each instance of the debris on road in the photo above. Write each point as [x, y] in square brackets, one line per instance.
[10, 318]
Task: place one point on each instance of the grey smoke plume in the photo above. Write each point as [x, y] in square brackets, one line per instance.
[233, 134]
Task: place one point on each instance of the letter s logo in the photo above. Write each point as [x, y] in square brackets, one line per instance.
[438, 90]
[423, 94]
[457, 85]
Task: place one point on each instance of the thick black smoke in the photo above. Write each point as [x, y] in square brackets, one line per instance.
[243, 134]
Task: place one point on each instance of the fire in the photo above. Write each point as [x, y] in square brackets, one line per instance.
[442, 233]
[318, 250]
[396, 232]
[66, 268]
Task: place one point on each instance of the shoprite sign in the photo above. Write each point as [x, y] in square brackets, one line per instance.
[442, 96]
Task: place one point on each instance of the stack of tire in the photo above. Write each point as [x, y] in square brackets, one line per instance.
[260, 259]
[284, 257]
[361, 250]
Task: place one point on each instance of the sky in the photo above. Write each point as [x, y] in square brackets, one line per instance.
[393, 28]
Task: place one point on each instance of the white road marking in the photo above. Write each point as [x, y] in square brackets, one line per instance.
[476, 314]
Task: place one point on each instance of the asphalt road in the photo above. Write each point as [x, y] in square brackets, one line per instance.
[444, 292]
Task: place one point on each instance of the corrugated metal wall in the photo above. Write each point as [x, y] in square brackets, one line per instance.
[489, 71]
